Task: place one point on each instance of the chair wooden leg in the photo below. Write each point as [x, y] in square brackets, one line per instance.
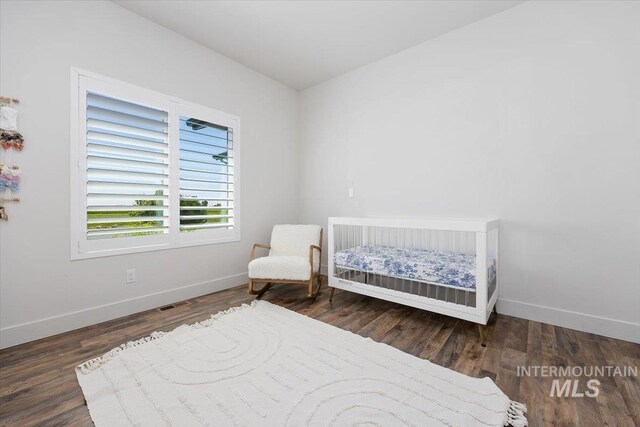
[331, 296]
[258, 292]
[311, 293]
[482, 335]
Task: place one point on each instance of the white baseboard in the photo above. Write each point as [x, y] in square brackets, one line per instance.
[324, 269]
[18, 334]
[598, 325]
[25, 332]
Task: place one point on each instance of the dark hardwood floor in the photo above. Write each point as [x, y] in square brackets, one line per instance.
[38, 384]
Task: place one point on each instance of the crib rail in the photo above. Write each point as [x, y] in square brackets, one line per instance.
[428, 290]
[492, 253]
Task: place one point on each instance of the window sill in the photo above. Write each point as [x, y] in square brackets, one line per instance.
[76, 255]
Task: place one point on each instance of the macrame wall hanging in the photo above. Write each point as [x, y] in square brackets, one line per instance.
[10, 140]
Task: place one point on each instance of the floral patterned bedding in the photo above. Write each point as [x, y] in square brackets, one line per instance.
[439, 267]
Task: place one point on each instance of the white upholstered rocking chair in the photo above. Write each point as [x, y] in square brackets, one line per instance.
[294, 257]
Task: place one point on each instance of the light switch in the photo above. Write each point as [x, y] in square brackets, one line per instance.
[350, 193]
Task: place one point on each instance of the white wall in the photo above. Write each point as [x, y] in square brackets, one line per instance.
[532, 116]
[41, 291]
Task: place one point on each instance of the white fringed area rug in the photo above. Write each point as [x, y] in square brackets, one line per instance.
[264, 365]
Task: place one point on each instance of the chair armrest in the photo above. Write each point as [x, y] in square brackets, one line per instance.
[252, 255]
[311, 248]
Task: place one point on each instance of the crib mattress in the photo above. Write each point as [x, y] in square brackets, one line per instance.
[452, 269]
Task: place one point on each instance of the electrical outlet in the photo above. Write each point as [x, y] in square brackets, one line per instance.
[131, 275]
[350, 192]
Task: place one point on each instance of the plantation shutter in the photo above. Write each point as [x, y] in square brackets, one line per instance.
[149, 171]
[206, 175]
[127, 169]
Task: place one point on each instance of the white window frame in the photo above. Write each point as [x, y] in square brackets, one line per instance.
[80, 246]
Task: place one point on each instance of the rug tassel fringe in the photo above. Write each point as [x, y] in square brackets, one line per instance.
[516, 415]
[95, 363]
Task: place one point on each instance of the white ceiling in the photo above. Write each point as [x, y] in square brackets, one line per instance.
[302, 43]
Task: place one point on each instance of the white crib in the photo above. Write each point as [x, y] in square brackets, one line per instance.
[448, 266]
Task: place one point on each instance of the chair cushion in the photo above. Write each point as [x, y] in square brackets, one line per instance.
[280, 267]
[294, 240]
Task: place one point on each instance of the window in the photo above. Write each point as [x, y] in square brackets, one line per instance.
[206, 175]
[149, 171]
